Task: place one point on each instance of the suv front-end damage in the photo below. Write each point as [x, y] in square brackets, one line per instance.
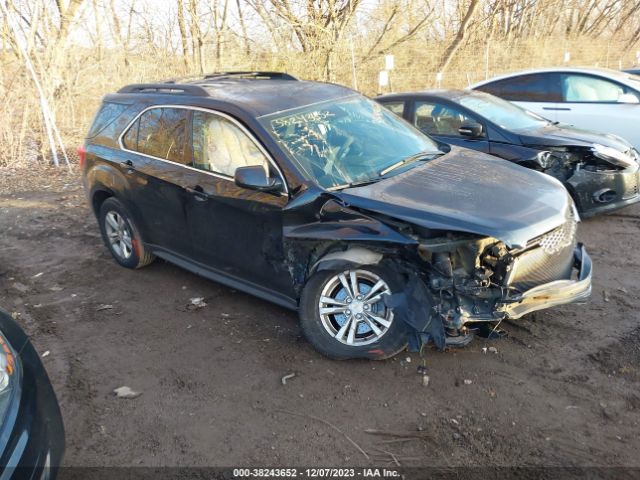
[601, 179]
[483, 280]
[454, 280]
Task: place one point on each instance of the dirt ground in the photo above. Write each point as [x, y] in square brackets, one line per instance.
[562, 389]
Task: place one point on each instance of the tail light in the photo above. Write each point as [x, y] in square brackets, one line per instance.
[82, 155]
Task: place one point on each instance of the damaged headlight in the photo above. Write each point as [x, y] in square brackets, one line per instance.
[9, 376]
[551, 155]
[613, 156]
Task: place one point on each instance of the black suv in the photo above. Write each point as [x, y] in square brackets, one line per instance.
[319, 199]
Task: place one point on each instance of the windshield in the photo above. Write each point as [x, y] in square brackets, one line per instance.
[347, 141]
[501, 112]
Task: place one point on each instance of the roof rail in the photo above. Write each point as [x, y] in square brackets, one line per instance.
[250, 74]
[186, 89]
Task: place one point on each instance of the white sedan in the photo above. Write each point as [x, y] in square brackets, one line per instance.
[606, 101]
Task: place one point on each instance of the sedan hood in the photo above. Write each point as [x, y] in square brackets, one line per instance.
[471, 192]
[566, 136]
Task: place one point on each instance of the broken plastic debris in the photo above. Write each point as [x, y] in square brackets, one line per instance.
[38, 275]
[103, 307]
[126, 392]
[287, 377]
[493, 349]
[467, 381]
[196, 303]
[46, 354]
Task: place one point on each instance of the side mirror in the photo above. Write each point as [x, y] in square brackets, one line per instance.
[255, 177]
[628, 98]
[471, 129]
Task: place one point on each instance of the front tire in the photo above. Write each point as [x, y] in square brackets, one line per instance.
[343, 315]
[121, 236]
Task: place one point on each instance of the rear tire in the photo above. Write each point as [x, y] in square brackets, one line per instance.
[343, 323]
[121, 236]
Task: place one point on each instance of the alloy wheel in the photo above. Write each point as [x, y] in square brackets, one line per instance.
[118, 234]
[352, 309]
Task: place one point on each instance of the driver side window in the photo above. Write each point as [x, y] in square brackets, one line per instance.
[220, 146]
[438, 119]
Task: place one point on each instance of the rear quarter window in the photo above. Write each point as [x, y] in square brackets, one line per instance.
[109, 112]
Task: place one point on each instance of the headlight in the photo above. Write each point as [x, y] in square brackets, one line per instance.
[613, 156]
[9, 376]
[550, 155]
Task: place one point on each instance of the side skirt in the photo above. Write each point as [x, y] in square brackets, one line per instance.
[226, 279]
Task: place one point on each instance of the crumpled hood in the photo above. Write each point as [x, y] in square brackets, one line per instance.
[566, 136]
[469, 191]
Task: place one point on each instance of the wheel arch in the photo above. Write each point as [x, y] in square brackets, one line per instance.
[98, 197]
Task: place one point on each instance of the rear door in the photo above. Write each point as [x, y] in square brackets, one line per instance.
[442, 121]
[537, 92]
[157, 142]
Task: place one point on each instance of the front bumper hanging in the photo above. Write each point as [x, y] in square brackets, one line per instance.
[554, 293]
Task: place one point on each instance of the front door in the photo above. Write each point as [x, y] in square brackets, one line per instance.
[234, 230]
[592, 103]
[443, 122]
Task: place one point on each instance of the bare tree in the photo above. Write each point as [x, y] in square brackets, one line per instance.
[460, 36]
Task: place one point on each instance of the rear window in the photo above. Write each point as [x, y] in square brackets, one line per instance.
[395, 107]
[539, 87]
[108, 112]
[160, 133]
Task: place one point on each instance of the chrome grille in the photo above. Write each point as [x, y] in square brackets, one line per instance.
[560, 238]
[549, 258]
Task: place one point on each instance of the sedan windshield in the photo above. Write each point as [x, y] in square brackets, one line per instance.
[503, 113]
[348, 141]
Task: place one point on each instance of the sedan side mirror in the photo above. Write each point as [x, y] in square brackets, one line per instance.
[628, 98]
[471, 129]
[255, 177]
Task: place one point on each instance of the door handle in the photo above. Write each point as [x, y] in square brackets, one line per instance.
[128, 166]
[198, 193]
[564, 109]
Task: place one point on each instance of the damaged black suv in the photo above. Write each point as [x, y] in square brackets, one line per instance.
[316, 198]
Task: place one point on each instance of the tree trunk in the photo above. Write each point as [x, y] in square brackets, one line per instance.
[183, 34]
[459, 38]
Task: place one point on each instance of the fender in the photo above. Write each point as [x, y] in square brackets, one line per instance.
[337, 222]
[318, 241]
[104, 177]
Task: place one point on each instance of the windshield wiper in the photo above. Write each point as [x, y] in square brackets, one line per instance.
[412, 158]
[355, 184]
